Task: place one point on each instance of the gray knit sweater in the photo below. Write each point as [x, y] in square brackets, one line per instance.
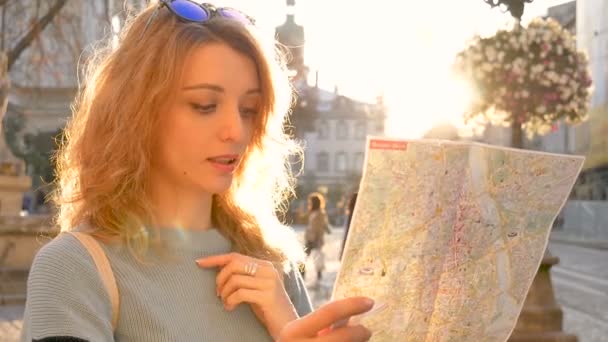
[168, 300]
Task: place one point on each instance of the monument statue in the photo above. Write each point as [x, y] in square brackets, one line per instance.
[13, 181]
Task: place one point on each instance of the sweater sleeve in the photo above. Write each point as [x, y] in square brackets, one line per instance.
[66, 297]
[296, 289]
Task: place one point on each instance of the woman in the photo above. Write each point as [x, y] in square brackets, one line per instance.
[318, 225]
[176, 153]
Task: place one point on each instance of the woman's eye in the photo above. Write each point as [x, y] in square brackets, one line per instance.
[210, 108]
[249, 112]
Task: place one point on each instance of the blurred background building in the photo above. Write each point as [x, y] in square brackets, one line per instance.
[332, 127]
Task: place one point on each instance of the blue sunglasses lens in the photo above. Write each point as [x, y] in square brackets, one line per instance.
[233, 14]
[189, 10]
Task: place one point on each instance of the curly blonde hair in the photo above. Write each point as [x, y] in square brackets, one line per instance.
[103, 164]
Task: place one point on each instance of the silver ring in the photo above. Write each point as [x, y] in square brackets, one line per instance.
[251, 268]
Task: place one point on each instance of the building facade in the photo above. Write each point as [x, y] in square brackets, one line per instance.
[335, 148]
[585, 215]
[588, 20]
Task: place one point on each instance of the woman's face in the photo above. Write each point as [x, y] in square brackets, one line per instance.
[210, 121]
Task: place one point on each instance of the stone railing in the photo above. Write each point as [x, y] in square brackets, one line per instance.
[20, 239]
[584, 221]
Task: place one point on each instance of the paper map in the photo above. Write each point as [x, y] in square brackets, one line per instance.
[447, 237]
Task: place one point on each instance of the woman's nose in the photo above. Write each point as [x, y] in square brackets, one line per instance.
[232, 127]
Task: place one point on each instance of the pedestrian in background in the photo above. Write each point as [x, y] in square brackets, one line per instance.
[318, 226]
[350, 209]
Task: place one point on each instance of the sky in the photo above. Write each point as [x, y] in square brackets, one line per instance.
[401, 49]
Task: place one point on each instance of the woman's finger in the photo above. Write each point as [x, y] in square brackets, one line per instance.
[217, 260]
[263, 269]
[238, 281]
[329, 314]
[355, 333]
[243, 296]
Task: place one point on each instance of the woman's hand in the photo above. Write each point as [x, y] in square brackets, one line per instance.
[316, 326]
[244, 279]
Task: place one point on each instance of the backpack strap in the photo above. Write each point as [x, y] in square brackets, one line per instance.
[104, 269]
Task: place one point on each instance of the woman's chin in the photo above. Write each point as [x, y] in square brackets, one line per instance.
[218, 187]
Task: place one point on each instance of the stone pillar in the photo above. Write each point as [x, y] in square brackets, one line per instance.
[541, 317]
[20, 239]
[11, 193]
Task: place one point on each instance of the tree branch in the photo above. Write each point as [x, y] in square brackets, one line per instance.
[38, 27]
[3, 2]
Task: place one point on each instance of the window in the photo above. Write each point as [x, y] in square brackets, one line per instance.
[358, 162]
[380, 126]
[341, 162]
[323, 129]
[341, 130]
[360, 130]
[606, 76]
[322, 162]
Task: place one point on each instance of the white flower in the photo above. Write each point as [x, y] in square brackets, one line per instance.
[541, 109]
[522, 39]
[560, 50]
[525, 94]
[552, 76]
[537, 69]
[487, 67]
[544, 129]
[490, 53]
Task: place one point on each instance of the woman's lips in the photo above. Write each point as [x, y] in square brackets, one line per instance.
[225, 163]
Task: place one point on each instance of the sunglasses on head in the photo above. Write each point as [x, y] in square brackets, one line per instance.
[189, 10]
